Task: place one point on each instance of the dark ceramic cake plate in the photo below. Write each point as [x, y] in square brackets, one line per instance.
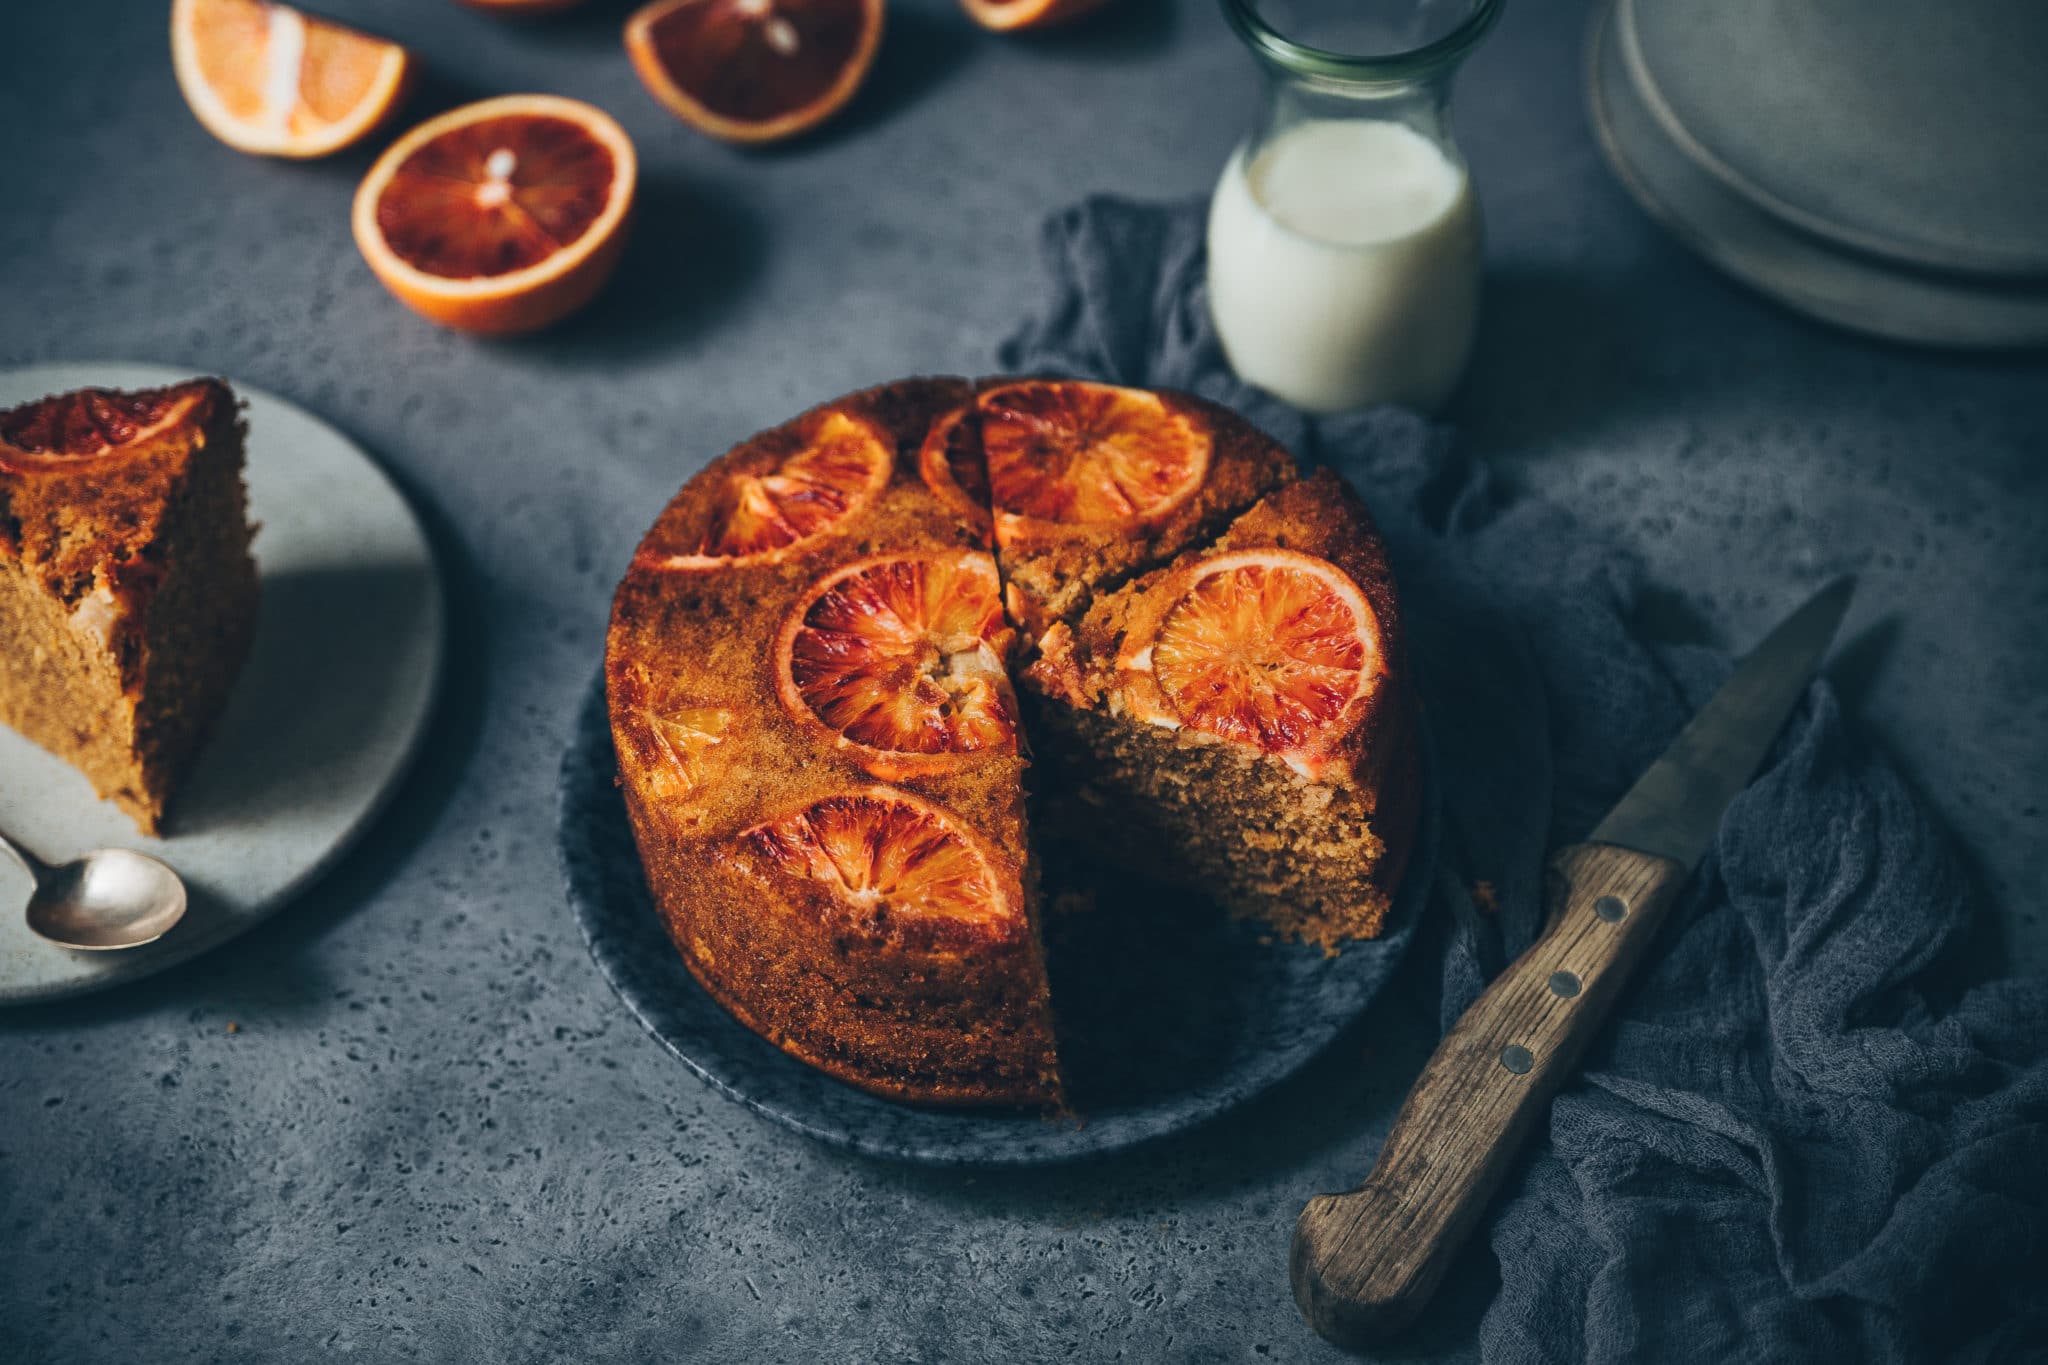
[1167, 1018]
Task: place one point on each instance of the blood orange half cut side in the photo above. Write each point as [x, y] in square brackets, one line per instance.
[81, 427]
[1271, 648]
[267, 79]
[764, 512]
[1063, 454]
[885, 860]
[754, 70]
[1007, 15]
[903, 658]
[501, 216]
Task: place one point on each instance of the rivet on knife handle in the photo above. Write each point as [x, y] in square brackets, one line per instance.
[1364, 1263]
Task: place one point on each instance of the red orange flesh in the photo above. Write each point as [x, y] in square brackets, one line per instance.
[1074, 454]
[879, 855]
[84, 425]
[754, 70]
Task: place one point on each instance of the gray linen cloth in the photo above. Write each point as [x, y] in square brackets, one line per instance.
[1795, 1139]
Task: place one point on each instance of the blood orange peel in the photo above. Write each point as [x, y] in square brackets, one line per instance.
[953, 467]
[80, 429]
[501, 216]
[754, 70]
[1266, 647]
[1013, 15]
[888, 864]
[1063, 454]
[901, 660]
[267, 79]
[772, 505]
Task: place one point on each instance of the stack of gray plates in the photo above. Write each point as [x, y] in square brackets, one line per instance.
[1881, 164]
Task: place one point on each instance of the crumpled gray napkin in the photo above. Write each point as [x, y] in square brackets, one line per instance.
[1790, 1142]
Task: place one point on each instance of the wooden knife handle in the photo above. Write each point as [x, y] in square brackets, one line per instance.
[1364, 1263]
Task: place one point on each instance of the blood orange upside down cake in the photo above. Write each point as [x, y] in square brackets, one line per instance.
[809, 673]
[127, 595]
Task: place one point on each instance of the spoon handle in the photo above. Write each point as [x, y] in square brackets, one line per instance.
[34, 866]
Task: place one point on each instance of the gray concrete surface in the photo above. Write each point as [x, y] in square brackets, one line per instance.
[434, 1134]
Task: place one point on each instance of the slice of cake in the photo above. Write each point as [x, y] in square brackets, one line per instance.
[1088, 484]
[1240, 721]
[818, 743]
[127, 593]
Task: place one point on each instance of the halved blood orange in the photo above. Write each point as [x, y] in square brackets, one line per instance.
[78, 429]
[675, 740]
[1269, 647]
[952, 464]
[1003, 15]
[902, 659]
[267, 79]
[1061, 453]
[772, 504]
[886, 861]
[501, 216]
[754, 70]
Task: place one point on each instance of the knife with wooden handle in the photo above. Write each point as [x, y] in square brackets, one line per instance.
[1364, 1263]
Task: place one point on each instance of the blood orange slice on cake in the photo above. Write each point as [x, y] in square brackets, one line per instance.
[775, 500]
[674, 744]
[754, 70]
[902, 660]
[1066, 455]
[953, 466]
[1267, 647]
[76, 428]
[501, 216]
[888, 863]
[267, 79]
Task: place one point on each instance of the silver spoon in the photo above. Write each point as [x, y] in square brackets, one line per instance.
[110, 898]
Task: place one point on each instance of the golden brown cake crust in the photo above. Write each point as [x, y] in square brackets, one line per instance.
[127, 593]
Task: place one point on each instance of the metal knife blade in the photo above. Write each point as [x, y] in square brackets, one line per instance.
[1675, 807]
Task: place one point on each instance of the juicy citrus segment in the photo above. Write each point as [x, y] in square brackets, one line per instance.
[267, 79]
[881, 855]
[953, 466]
[500, 216]
[1006, 15]
[754, 70]
[495, 196]
[685, 737]
[1075, 454]
[762, 515]
[1265, 647]
[83, 425]
[905, 654]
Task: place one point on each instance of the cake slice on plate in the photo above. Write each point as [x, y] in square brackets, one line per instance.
[127, 592]
[1240, 721]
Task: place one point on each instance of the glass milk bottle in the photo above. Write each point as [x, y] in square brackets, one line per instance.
[1344, 239]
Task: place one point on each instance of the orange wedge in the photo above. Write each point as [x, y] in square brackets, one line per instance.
[754, 70]
[1006, 15]
[501, 216]
[267, 79]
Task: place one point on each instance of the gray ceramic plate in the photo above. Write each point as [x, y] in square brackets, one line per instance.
[1812, 274]
[1169, 1019]
[1908, 128]
[327, 712]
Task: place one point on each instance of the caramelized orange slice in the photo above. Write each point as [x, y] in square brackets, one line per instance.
[754, 70]
[952, 464]
[675, 741]
[501, 216]
[79, 428]
[1064, 454]
[1270, 648]
[767, 509]
[267, 79]
[883, 859]
[902, 658]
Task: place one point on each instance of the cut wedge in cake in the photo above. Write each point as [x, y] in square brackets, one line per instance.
[1083, 484]
[1239, 722]
[127, 593]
